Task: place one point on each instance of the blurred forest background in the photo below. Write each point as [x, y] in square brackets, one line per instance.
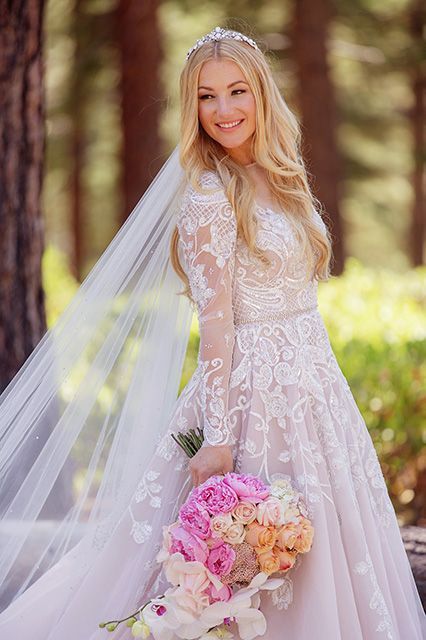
[89, 98]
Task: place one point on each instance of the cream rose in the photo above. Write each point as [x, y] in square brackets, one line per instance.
[235, 534]
[220, 524]
[270, 512]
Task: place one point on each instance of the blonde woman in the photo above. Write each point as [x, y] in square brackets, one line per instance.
[248, 245]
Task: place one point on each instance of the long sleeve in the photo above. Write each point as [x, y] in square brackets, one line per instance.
[207, 230]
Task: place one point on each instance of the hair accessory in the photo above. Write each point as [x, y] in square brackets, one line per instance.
[221, 34]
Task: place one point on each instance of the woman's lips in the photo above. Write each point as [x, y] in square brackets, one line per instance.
[231, 125]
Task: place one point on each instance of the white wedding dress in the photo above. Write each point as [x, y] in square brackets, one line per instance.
[267, 383]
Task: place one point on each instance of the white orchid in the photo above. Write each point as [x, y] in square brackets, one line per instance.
[162, 627]
[243, 607]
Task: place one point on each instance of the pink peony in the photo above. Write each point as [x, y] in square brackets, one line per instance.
[215, 496]
[191, 547]
[195, 519]
[247, 487]
[221, 559]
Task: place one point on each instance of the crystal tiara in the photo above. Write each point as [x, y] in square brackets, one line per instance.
[221, 34]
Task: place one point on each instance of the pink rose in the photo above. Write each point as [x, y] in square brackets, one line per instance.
[221, 559]
[247, 487]
[215, 496]
[270, 512]
[195, 519]
[219, 595]
[191, 547]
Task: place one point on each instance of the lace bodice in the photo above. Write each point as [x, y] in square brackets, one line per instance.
[231, 287]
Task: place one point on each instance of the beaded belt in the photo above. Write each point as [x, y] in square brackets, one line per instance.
[275, 317]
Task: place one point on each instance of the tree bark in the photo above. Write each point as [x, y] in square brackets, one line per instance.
[22, 311]
[415, 545]
[318, 113]
[77, 100]
[139, 44]
[418, 220]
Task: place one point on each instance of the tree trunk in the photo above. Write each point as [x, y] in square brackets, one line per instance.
[418, 116]
[77, 145]
[318, 112]
[415, 545]
[139, 43]
[22, 312]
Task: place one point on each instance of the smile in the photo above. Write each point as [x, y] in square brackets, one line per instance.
[229, 125]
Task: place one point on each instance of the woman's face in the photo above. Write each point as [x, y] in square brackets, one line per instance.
[226, 108]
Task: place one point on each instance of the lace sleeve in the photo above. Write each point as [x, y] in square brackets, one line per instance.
[207, 230]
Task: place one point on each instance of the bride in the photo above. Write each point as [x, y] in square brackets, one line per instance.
[91, 413]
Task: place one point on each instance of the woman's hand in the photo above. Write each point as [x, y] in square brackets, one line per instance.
[210, 460]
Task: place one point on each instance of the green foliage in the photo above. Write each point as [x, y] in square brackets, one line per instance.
[376, 320]
[58, 283]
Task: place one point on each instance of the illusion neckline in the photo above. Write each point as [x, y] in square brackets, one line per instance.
[263, 208]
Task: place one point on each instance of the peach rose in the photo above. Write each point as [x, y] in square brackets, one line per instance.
[260, 537]
[304, 541]
[296, 535]
[220, 524]
[270, 512]
[245, 512]
[235, 534]
[269, 562]
[286, 558]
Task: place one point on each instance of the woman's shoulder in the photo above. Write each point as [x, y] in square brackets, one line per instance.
[205, 205]
[318, 220]
[207, 188]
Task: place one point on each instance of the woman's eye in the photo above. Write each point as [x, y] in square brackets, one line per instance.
[238, 91]
[205, 96]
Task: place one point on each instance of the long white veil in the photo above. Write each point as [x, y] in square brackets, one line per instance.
[81, 419]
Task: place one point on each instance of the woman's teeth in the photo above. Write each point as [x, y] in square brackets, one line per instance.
[229, 125]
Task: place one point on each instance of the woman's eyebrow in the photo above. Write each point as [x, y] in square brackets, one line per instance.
[228, 87]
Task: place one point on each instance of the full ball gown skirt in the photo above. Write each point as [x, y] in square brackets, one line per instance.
[268, 384]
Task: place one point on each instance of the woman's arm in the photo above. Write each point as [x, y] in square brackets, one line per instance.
[207, 230]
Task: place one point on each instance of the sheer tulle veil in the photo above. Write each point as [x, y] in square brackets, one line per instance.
[81, 419]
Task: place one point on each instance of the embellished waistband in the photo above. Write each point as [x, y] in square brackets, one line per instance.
[272, 317]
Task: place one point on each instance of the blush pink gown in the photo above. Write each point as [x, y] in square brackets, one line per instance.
[267, 383]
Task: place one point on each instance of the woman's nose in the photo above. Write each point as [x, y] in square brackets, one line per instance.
[224, 109]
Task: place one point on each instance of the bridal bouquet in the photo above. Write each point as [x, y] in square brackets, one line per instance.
[232, 534]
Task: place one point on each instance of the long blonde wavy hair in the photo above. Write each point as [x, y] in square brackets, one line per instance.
[275, 146]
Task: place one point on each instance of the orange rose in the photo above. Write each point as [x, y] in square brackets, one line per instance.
[286, 558]
[260, 537]
[296, 535]
[269, 562]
